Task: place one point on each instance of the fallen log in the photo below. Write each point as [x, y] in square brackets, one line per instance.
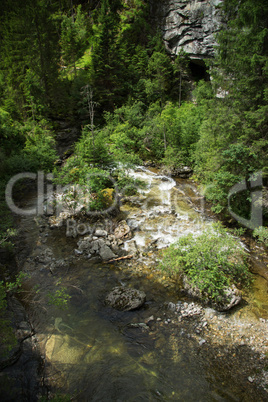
[125, 257]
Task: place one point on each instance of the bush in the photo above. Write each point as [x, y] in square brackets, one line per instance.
[211, 262]
[262, 234]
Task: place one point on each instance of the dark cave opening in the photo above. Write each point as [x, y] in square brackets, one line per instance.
[199, 70]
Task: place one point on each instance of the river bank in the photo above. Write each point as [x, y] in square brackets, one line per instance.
[172, 348]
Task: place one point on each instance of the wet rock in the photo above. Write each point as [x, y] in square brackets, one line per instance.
[85, 243]
[183, 172]
[101, 233]
[125, 299]
[231, 297]
[106, 253]
[151, 318]
[202, 341]
[122, 230]
[141, 325]
[189, 309]
[45, 256]
[94, 246]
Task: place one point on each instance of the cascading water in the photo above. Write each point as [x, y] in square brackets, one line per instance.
[162, 215]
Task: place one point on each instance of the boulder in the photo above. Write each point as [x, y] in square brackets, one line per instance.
[106, 253]
[232, 296]
[122, 230]
[125, 299]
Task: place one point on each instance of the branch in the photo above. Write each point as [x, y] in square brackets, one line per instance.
[121, 258]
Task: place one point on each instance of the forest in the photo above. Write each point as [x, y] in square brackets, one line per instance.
[100, 69]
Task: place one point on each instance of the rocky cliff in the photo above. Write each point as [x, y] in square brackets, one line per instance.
[189, 25]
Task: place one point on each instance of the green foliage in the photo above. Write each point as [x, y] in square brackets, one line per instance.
[261, 233]
[59, 298]
[40, 147]
[15, 285]
[73, 37]
[93, 151]
[8, 339]
[211, 261]
[6, 236]
[159, 77]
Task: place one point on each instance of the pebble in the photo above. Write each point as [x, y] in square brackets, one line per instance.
[201, 342]
[151, 318]
[250, 379]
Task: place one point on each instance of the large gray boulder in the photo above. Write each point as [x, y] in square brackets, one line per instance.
[125, 299]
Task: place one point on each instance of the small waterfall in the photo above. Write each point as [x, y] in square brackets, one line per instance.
[163, 214]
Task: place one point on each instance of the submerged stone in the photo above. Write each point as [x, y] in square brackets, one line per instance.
[125, 299]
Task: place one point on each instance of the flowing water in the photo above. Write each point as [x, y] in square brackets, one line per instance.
[94, 352]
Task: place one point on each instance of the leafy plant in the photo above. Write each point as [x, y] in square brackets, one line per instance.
[210, 262]
[6, 236]
[59, 298]
[262, 234]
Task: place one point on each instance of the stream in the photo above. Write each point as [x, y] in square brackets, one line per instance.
[93, 352]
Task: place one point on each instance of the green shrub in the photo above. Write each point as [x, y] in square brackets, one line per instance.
[211, 261]
[262, 234]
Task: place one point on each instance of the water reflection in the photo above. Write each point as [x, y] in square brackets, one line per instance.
[92, 351]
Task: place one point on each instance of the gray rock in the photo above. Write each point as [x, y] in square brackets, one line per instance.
[106, 253]
[141, 325]
[94, 247]
[85, 243]
[125, 299]
[189, 26]
[101, 233]
[232, 297]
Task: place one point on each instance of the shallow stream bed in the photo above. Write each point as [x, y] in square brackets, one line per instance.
[93, 352]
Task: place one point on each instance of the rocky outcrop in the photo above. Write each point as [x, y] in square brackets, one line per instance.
[231, 296]
[189, 26]
[105, 244]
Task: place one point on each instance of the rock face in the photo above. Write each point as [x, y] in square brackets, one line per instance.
[125, 299]
[189, 25]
